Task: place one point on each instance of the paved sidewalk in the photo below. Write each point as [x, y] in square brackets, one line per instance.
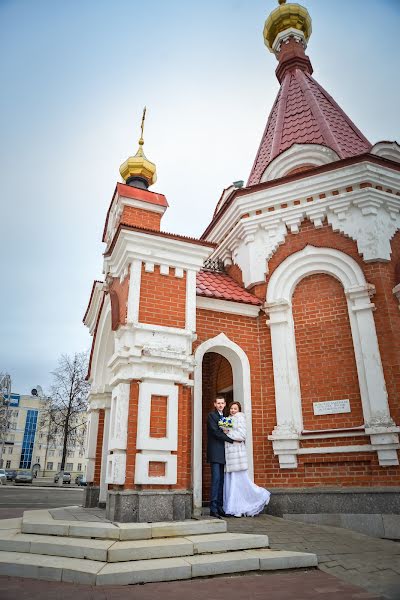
[371, 563]
[296, 585]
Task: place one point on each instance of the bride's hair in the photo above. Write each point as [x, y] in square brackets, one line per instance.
[237, 404]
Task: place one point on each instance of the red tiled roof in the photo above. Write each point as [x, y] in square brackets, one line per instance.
[304, 113]
[213, 284]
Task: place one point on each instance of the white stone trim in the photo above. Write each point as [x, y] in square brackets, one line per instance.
[190, 318]
[134, 291]
[161, 250]
[94, 307]
[100, 375]
[337, 449]
[164, 269]
[389, 150]
[296, 156]
[142, 468]
[119, 417]
[226, 306]
[143, 440]
[116, 468]
[241, 392]
[311, 260]
[396, 292]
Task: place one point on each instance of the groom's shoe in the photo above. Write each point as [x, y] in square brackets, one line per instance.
[215, 515]
[223, 514]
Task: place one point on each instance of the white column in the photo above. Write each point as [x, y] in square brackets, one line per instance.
[190, 300]
[91, 443]
[116, 463]
[396, 292]
[134, 291]
[104, 455]
[379, 424]
[285, 437]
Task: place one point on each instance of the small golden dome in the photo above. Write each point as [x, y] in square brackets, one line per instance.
[286, 16]
[138, 166]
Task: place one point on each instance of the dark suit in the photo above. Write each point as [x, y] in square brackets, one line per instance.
[216, 439]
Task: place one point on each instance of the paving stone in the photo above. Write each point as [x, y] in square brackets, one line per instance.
[190, 527]
[144, 571]
[45, 527]
[149, 549]
[224, 542]
[205, 565]
[11, 541]
[69, 547]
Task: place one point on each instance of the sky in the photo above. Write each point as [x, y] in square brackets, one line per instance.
[75, 76]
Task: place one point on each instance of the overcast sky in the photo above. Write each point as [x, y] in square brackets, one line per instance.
[75, 76]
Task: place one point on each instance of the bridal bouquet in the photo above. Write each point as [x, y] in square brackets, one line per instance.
[225, 423]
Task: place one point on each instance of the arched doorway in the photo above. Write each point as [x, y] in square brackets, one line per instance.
[221, 366]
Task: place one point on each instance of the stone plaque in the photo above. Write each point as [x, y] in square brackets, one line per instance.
[331, 407]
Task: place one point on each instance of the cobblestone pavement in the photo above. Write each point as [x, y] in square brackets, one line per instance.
[371, 563]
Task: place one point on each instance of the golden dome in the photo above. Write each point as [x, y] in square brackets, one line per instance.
[286, 16]
[139, 166]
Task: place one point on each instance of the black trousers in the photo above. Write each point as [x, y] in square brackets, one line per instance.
[217, 487]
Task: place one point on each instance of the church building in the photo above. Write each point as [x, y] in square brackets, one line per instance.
[288, 302]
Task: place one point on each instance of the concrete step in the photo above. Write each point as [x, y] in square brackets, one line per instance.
[115, 551]
[225, 542]
[20, 564]
[40, 522]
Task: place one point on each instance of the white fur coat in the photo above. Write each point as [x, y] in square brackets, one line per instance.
[236, 454]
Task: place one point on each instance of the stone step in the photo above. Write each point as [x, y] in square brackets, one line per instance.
[40, 522]
[74, 570]
[225, 542]
[115, 551]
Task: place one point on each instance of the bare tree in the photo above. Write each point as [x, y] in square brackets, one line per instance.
[63, 416]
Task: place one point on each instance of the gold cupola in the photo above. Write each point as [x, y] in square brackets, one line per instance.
[137, 170]
[287, 19]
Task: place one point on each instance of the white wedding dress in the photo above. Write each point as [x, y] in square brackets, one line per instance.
[241, 495]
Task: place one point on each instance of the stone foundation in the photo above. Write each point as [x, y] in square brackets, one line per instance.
[91, 496]
[131, 506]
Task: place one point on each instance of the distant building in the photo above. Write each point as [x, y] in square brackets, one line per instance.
[29, 443]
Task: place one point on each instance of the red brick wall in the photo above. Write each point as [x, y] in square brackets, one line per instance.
[162, 299]
[156, 469]
[158, 416]
[224, 374]
[253, 336]
[131, 435]
[120, 307]
[325, 353]
[99, 448]
[140, 217]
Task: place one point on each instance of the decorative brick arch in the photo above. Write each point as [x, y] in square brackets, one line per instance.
[241, 392]
[309, 261]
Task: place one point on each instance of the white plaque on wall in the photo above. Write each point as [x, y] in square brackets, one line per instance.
[331, 407]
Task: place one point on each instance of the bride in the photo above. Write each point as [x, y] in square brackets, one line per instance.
[241, 495]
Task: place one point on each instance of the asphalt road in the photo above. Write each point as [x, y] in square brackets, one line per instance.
[15, 499]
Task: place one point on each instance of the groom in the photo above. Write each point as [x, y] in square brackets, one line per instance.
[216, 439]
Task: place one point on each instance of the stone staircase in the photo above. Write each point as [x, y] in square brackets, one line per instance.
[101, 553]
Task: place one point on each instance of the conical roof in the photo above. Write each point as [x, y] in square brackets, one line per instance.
[303, 112]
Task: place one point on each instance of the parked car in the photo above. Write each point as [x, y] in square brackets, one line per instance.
[23, 477]
[3, 476]
[66, 477]
[11, 473]
[80, 480]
